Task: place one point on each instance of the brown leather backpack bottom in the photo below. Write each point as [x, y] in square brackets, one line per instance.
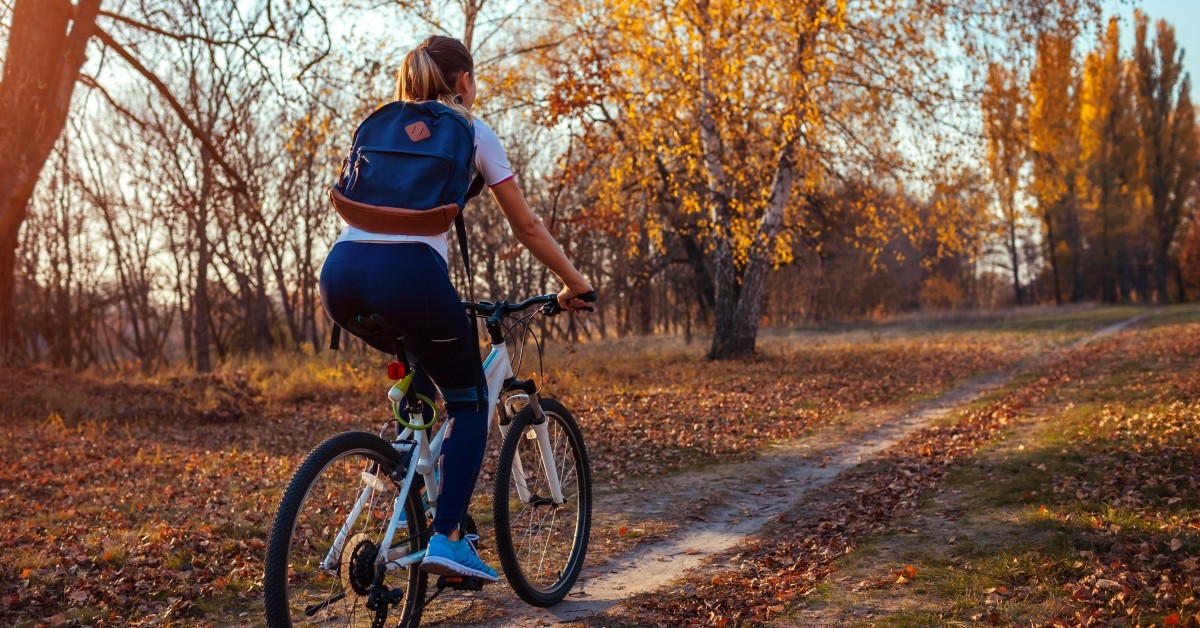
[394, 220]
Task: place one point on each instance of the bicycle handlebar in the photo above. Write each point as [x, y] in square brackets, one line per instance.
[549, 303]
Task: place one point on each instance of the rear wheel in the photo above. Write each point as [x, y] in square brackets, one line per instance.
[541, 543]
[310, 578]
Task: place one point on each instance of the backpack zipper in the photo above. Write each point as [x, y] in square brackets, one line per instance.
[357, 164]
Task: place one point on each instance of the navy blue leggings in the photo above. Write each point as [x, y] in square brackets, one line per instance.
[408, 285]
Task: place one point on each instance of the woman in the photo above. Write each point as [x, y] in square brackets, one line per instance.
[404, 279]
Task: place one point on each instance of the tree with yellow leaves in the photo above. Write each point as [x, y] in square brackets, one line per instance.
[1054, 149]
[1110, 182]
[1169, 149]
[1006, 126]
[736, 125]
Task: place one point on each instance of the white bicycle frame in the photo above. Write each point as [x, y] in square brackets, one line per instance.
[426, 451]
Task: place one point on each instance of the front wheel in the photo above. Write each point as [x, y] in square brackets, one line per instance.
[542, 543]
[328, 533]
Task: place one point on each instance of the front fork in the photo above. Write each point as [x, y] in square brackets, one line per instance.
[541, 431]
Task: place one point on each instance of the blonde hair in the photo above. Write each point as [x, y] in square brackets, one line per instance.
[430, 70]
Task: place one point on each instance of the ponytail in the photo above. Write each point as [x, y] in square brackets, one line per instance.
[429, 71]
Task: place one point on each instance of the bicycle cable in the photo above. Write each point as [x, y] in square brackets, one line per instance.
[520, 357]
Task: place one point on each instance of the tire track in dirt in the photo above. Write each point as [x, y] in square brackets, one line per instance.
[746, 496]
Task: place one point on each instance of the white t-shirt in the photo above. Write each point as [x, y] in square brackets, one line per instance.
[490, 161]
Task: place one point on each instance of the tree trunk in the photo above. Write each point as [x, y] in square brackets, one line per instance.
[45, 51]
[643, 288]
[704, 289]
[260, 314]
[1181, 294]
[1075, 239]
[200, 308]
[739, 299]
[1162, 263]
[732, 336]
[10, 348]
[1014, 256]
[1052, 254]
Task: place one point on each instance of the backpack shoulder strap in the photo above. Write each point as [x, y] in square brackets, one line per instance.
[476, 186]
[335, 337]
[460, 226]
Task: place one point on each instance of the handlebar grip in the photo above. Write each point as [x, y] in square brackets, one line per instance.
[587, 297]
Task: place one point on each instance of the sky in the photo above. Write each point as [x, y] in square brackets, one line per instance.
[1184, 15]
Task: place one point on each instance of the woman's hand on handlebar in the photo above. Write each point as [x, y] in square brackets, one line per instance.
[577, 300]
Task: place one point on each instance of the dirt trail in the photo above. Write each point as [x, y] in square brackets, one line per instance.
[741, 499]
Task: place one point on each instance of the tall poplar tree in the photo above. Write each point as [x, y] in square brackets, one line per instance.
[1005, 127]
[1110, 146]
[1054, 148]
[1169, 145]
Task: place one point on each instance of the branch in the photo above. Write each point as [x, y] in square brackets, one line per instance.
[165, 92]
[497, 25]
[781, 192]
[437, 26]
[6, 9]
[188, 36]
[518, 52]
[90, 82]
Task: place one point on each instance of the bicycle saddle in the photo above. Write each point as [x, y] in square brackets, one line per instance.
[377, 329]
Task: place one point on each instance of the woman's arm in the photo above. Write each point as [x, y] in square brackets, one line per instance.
[530, 231]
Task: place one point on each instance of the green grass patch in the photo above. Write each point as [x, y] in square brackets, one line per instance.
[1172, 315]
[1089, 503]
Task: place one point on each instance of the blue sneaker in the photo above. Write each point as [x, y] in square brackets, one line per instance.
[456, 558]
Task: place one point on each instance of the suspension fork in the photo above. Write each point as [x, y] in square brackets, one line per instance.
[518, 468]
[541, 430]
[541, 427]
[496, 371]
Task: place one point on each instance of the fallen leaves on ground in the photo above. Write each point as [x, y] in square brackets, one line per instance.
[777, 567]
[687, 411]
[1134, 497]
[132, 500]
[1122, 496]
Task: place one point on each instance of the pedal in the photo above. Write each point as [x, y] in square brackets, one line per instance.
[461, 583]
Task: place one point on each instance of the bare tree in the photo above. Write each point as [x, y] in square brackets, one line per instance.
[46, 47]
[47, 43]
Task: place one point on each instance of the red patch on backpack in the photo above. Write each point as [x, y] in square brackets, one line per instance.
[417, 131]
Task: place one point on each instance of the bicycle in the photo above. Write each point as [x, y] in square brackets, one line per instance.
[357, 492]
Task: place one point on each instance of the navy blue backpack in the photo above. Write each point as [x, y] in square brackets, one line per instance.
[410, 155]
